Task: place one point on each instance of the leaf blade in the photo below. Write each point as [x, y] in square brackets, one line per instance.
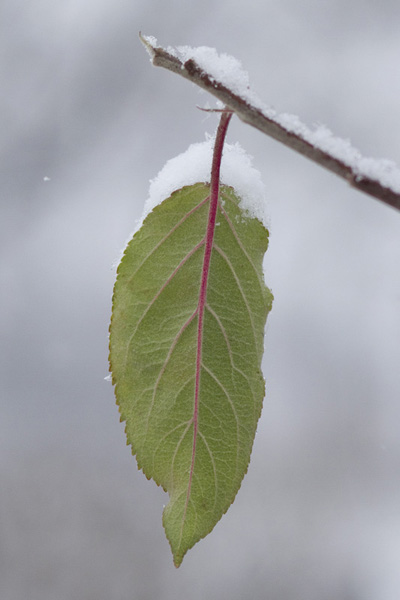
[186, 358]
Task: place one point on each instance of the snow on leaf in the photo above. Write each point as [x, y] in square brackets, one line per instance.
[186, 343]
[194, 165]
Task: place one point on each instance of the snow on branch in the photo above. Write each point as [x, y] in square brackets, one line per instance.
[223, 77]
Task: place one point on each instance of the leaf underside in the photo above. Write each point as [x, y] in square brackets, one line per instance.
[187, 368]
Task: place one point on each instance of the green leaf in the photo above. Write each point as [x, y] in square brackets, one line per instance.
[186, 343]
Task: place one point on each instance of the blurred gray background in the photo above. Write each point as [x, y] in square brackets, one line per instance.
[85, 123]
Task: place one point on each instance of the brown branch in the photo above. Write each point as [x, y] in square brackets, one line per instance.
[270, 125]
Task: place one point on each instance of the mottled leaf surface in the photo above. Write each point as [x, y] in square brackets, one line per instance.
[185, 354]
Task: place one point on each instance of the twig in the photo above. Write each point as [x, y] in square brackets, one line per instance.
[365, 175]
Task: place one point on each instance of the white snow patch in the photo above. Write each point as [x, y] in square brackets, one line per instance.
[222, 68]
[382, 170]
[194, 166]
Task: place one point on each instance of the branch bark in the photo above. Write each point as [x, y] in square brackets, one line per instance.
[271, 126]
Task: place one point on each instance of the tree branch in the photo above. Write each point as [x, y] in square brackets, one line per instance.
[378, 178]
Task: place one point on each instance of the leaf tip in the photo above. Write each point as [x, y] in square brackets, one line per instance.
[177, 562]
[178, 557]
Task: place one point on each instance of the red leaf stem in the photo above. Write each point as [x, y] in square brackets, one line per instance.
[209, 239]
